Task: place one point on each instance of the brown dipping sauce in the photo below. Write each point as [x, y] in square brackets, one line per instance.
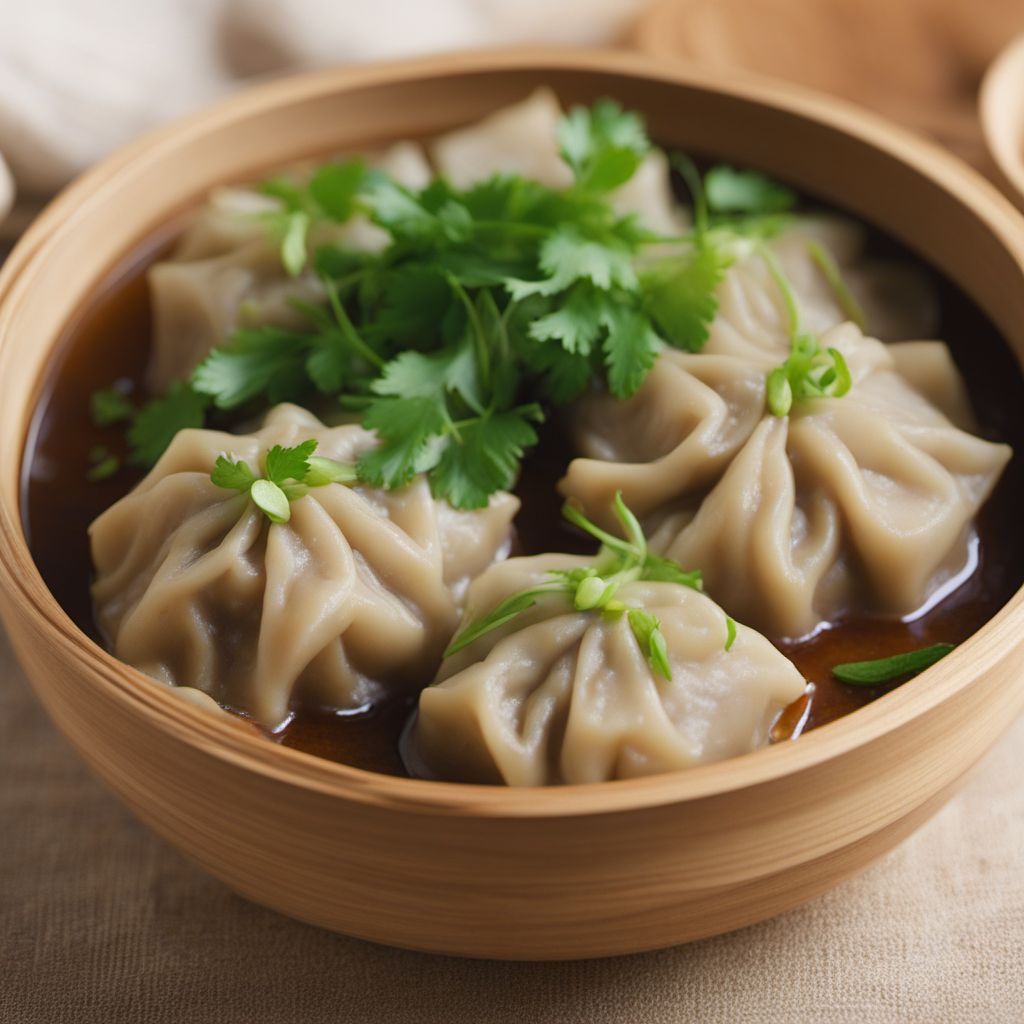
[109, 340]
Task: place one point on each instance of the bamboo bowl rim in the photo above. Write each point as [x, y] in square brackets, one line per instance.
[218, 736]
[1001, 107]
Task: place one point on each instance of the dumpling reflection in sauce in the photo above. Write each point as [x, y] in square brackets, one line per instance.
[860, 503]
[563, 696]
[353, 598]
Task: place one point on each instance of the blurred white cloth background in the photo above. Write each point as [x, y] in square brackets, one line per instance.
[80, 77]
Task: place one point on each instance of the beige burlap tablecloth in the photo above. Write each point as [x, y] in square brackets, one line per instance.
[103, 923]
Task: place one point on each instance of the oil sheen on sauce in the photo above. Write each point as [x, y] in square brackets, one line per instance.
[109, 340]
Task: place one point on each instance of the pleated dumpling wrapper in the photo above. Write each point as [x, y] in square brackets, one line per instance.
[896, 298]
[863, 503]
[226, 271]
[351, 599]
[523, 139]
[563, 696]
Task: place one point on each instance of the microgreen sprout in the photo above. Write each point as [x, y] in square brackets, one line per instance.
[595, 588]
[809, 371]
[289, 474]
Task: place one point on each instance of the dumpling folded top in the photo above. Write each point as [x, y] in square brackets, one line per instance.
[523, 139]
[226, 272]
[862, 503]
[896, 298]
[354, 597]
[564, 696]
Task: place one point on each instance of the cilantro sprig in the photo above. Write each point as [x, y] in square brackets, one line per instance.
[288, 474]
[489, 305]
[595, 588]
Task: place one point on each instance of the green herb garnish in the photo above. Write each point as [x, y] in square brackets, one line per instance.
[733, 191]
[851, 308]
[102, 463]
[619, 561]
[488, 304]
[289, 473]
[884, 670]
[809, 371]
[730, 632]
[330, 195]
[151, 428]
[109, 405]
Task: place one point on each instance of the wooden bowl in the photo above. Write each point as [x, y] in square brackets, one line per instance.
[1001, 105]
[576, 871]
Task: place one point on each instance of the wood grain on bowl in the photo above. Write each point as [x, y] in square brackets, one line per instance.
[569, 871]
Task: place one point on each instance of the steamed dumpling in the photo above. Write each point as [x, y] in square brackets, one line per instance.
[898, 300]
[523, 139]
[560, 696]
[199, 304]
[354, 598]
[226, 273]
[861, 503]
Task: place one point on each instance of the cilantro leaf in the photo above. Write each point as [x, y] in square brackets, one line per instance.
[404, 426]
[103, 463]
[680, 295]
[334, 261]
[430, 216]
[232, 474]
[576, 324]
[330, 194]
[159, 420]
[629, 350]
[414, 299]
[567, 256]
[731, 191]
[255, 361]
[484, 457]
[602, 145]
[108, 406]
[328, 365]
[284, 464]
[414, 375]
[335, 188]
[273, 493]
